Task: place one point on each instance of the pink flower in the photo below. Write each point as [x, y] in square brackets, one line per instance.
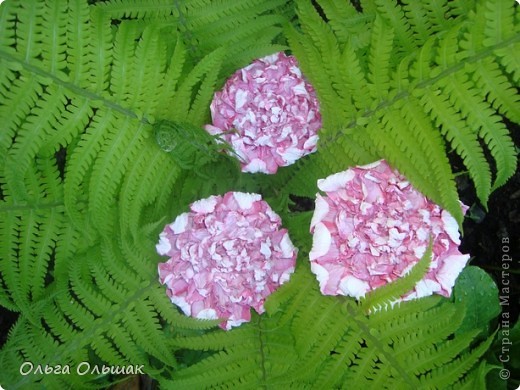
[226, 255]
[268, 113]
[372, 227]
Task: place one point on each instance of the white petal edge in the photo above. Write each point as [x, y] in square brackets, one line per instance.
[179, 225]
[286, 275]
[371, 165]
[213, 130]
[232, 323]
[353, 287]
[321, 241]
[204, 206]
[240, 98]
[271, 58]
[450, 226]
[207, 314]
[291, 155]
[311, 143]
[164, 246]
[246, 200]
[256, 165]
[452, 266]
[322, 275]
[336, 181]
[181, 302]
[426, 287]
[287, 246]
[321, 209]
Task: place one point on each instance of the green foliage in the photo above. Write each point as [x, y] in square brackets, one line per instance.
[407, 81]
[310, 341]
[102, 106]
[477, 291]
[189, 146]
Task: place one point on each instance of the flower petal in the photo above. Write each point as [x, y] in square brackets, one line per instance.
[321, 241]
[273, 111]
[450, 226]
[245, 200]
[204, 206]
[451, 267]
[372, 227]
[354, 287]
[336, 181]
[179, 225]
[226, 255]
[320, 211]
[163, 247]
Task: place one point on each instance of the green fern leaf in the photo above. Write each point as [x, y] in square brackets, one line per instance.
[380, 50]
[463, 140]
[393, 291]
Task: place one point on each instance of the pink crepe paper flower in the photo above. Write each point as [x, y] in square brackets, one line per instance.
[226, 255]
[268, 113]
[372, 227]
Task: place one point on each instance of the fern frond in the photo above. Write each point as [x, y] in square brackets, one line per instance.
[119, 149]
[499, 21]
[30, 137]
[258, 356]
[179, 321]
[215, 340]
[9, 229]
[135, 9]
[81, 159]
[460, 7]
[438, 355]
[85, 189]
[54, 28]
[425, 72]
[150, 172]
[395, 17]
[310, 60]
[392, 137]
[462, 139]
[391, 292]
[342, 358]
[489, 127]
[353, 80]
[183, 97]
[102, 52]
[432, 146]
[18, 98]
[82, 287]
[132, 83]
[496, 88]
[379, 59]
[344, 20]
[417, 15]
[453, 372]
[73, 120]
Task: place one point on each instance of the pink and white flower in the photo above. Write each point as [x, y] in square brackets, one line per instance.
[372, 227]
[227, 254]
[268, 113]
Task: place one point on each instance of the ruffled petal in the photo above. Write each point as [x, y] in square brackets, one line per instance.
[372, 227]
[273, 113]
[321, 241]
[226, 255]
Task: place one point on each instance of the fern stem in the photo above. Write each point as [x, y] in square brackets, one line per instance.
[73, 87]
[368, 335]
[92, 332]
[421, 85]
[262, 353]
[16, 207]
